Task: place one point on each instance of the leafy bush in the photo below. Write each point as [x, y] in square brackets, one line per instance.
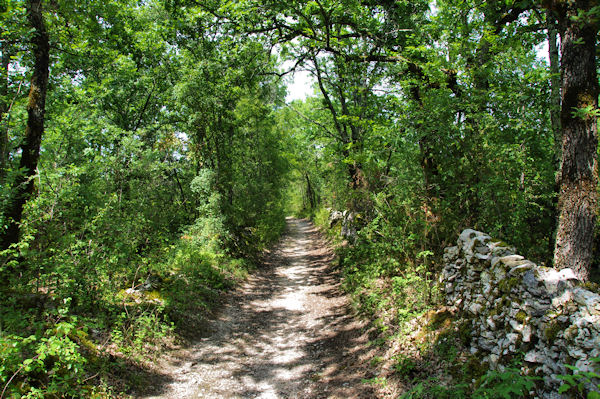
[46, 364]
[404, 365]
[430, 389]
[507, 384]
[136, 334]
[581, 382]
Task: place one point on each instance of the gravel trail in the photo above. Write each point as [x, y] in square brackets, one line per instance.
[285, 333]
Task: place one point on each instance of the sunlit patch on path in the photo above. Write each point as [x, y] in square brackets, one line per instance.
[285, 334]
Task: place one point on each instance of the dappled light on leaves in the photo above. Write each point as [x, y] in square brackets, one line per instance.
[149, 157]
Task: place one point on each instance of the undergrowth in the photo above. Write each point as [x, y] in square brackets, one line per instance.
[57, 343]
[422, 348]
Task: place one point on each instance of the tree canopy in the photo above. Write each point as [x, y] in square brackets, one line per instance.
[151, 141]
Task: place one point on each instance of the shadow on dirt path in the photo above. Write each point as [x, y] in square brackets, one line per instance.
[286, 333]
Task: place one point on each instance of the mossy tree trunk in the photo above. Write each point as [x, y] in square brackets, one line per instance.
[578, 174]
[30, 147]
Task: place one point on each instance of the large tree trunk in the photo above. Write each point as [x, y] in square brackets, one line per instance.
[30, 148]
[578, 173]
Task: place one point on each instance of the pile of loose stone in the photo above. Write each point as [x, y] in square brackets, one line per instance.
[517, 308]
[347, 219]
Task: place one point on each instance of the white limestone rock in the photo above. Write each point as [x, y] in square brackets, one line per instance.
[476, 278]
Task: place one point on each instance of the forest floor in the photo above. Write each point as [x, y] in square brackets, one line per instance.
[287, 332]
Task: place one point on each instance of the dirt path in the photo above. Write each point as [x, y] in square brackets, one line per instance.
[286, 333]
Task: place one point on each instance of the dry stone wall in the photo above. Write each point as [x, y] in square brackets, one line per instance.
[519, 309]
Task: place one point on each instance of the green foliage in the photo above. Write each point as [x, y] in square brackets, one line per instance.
[381, 258]
[586, 112]
[169, 158]
[382, 381]
[135, 335]
[506, 384]
[321, 218]
[445, 348]
[160, 180]
[581, 382]
[403, 364]
[47, 363]
[431, 389]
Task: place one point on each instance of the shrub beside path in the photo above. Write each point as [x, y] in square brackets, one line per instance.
[287, 332]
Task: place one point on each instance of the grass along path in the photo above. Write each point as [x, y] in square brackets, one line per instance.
[286, 333]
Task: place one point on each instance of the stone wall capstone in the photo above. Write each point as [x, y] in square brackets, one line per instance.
[517, 308]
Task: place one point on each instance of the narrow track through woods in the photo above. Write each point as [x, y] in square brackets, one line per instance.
[286, 333]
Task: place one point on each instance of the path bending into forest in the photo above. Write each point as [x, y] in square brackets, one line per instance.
[286, 333]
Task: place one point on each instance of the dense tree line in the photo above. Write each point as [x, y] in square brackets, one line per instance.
[126, 106]
[464, 86]
[141, 163]
[148, 143]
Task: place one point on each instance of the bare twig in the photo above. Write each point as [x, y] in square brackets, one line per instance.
[13, 376]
